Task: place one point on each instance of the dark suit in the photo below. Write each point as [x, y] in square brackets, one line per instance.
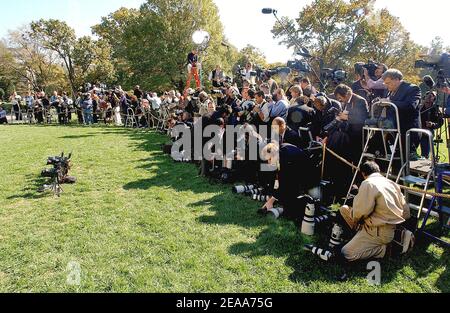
[297, 174]
[320, 119]
[291, 137]
[358, 114]
[299, 115]
[407, 99]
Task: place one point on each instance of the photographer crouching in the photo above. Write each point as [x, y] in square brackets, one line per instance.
[378, 209]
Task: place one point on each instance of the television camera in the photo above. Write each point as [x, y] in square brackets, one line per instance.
[58, 174]
[336, 76]
[439, 64]
[371, 67]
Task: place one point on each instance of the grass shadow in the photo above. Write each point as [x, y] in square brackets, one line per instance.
[30, 190]
[279, 238]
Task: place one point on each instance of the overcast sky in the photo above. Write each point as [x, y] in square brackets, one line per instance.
[243, 21]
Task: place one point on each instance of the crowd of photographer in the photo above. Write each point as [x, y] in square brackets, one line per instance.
[302, 120]
[290, 127]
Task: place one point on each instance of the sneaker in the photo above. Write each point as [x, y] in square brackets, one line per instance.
[407, 241]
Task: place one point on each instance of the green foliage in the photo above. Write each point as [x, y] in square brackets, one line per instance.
[334, 32]
[150, 45]
[34, 66]
[252, 54]
[92, 60]
[84, 59]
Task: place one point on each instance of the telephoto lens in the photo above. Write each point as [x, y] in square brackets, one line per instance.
[322, 253]
[321, 219]
[244, 188]
[261, 198]
[275, 212]
[308, 224]
[252, 192]
[336, 236]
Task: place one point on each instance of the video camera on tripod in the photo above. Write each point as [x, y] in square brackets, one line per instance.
[58, 174]
[336, 76]
[440, 64]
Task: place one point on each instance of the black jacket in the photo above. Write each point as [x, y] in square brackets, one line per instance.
[291, 137]
[300, 115]
[431, 115]
[323, 118]
[407, 99]
[358, 113]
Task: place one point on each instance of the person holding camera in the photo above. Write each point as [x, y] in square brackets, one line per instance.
[249, 73]
[325, 111]
[357, 112]
[261, 114]
[233, 101]
[377, 209]
[288, 161]
[280, 105]
[271, 83]
[217, 77]
[360, 87]
[377, 84]
[203, 103]
[431, 120]
[306, 84]
[407, 98]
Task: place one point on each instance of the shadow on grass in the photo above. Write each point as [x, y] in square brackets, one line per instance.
[279, 238]
[33, 183]
[76, 136]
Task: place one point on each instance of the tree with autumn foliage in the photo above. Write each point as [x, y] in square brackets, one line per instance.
[341, 33]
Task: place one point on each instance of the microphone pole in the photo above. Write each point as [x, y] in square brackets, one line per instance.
[297, 45]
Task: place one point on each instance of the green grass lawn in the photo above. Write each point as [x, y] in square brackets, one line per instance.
[137, 222]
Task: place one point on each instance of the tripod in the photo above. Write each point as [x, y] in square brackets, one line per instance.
[443, 134]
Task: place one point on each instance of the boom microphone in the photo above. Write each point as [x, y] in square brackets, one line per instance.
[268, 11]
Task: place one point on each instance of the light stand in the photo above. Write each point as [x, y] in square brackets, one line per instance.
[302, 51]
[201, 38]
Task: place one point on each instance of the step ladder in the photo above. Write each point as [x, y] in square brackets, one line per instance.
[390, 152]
[410, 175]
